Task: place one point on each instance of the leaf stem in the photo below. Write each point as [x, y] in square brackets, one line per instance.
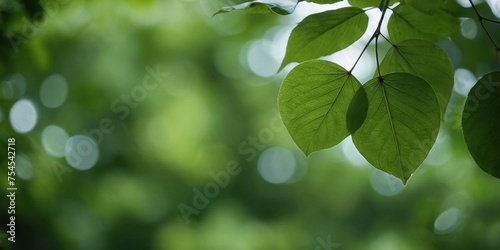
[384, 5]
[481, 21]
[387, 39]
[362, 52]
[491, 20]
[376, 57]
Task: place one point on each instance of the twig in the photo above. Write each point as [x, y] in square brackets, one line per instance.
[384, 5]
[481, 21]
[376, 57]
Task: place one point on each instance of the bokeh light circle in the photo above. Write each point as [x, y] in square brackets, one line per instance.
[386, 184]
[53, 91]
[468, 28]
[14, 87]
[81, 152]
[23, 116]
[277, 165]
[24, 168]
[447, 221]
[464, 81]
[54, 140]
[260, 61]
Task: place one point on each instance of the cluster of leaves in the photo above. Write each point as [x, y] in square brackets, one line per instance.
[394, 119]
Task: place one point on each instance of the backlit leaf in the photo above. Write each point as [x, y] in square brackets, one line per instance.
[426, 60]
[401, 123]
[313, 102]
[324, 34]
[406, 22]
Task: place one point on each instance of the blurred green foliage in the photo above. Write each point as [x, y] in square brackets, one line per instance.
[192, 125]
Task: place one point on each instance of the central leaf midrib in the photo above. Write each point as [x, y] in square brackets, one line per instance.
[393, 130]
[309, 90]
[439, 95]
[406, 60]
[327, 112]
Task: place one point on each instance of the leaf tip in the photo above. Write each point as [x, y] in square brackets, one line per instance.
[306, 152]
[405, 181]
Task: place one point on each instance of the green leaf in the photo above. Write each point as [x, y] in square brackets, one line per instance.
[406, 22]
[426, 6]
[426, 60]
[324, 34]
[358, 108]
[401, 123]
[323, 1]
[313, 102]
[282, 7]
[368, 3]
[481, 123]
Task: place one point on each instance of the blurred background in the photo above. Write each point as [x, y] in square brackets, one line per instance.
[152, 125]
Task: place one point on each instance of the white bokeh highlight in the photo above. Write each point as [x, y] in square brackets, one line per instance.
[464, 81]
[81, 152]
[53, 91]
[277, 165]
[54, 140]
[448, 221]
[495, 7]
[464, 3]
[24, 168]
[259, 60]
[23, 116]
[352, 154]
[468, 28]
[386, 184]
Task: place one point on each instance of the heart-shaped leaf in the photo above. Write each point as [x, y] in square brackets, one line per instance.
[406, 22]
[401, 123]
[313, 102]
[426, 60]
[324, 34]
[481, 123]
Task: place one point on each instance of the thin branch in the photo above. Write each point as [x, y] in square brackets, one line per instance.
[384, 5]
[481, 21]
[491, 20]
[362, 52]
[376, 57]
[387, 39]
